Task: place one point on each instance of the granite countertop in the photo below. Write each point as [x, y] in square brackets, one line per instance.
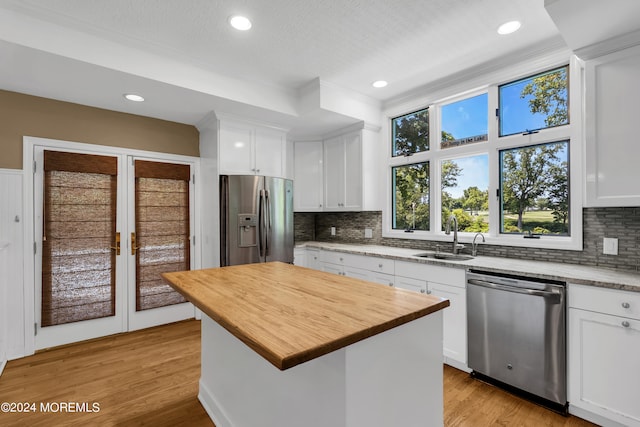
[289, 314]
[571, 273]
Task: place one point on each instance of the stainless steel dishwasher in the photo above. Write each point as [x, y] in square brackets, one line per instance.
[516, 334]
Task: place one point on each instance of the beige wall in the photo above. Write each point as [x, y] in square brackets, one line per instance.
[25, 115]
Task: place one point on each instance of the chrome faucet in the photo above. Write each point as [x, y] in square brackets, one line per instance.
[474, 245]
[447, 231]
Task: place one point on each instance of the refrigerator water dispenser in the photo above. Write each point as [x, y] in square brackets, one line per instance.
[247, 230]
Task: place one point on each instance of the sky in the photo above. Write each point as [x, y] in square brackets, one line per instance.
[463, 119]
[469, 117]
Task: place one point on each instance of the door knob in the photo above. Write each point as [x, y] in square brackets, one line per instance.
[134, 248]
[117, 244]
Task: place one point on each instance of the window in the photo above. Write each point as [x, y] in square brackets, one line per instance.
[465, 192]
[514, 175]
[411, 133]
[465, 121]
[411, 197]
[534, 103]
[534, 189]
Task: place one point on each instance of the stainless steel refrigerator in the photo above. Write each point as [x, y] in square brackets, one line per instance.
[256, 219]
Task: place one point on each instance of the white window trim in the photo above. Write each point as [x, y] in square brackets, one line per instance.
[574, 132]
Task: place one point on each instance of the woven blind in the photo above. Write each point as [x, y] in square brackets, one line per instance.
[78, 266]
[162, 228]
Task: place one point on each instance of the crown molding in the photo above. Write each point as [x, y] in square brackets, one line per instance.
[608, 46]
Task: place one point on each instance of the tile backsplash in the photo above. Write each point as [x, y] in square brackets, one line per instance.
[621, 223]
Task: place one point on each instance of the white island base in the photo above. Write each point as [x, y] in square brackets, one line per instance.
[390, 379]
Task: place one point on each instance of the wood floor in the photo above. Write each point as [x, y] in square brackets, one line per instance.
[150, 377]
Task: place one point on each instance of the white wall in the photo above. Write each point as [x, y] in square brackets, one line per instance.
[11, 266]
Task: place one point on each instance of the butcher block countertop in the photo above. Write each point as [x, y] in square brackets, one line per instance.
[290, 314]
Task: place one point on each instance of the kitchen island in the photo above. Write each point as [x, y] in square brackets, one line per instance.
[289, 346]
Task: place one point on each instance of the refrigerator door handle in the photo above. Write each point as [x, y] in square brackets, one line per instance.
[267, 231]
[262, 225]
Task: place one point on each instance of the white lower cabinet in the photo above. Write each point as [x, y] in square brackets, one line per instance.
[300, 257]
[454, 323]
[372, 269]
[444, 282]
[411, 284]
[313, 258]
[604, 355]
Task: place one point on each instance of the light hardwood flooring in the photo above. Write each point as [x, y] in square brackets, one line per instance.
[150, 377]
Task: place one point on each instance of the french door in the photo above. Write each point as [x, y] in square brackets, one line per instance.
[109, 225]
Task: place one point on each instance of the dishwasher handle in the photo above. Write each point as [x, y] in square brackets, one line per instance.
[534, 292]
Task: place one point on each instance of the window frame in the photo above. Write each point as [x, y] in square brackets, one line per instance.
[490, 84]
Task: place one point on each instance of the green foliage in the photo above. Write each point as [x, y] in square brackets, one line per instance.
[411, 199]
[475, 199]
[530, 173]
[411, 133]
[549, 97]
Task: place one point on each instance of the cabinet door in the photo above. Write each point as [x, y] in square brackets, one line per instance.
[454, 320]
[357, 273]
[313, 259]
[612, 94]
[334, 174]
[382, 278]
[415, 285]
[604, 373]
[332, 268]
[308, 184]
[269, 149]
[300, 257]
[236, 149]
[353, 172]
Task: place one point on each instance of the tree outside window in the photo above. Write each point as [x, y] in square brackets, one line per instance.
[534, 189]
[411, 197]
[465, 192]
[411, 133]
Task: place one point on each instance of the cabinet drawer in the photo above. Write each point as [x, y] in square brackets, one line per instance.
[380, 265]
[433, 273]
[334, 257]
[415, 285]
[603, 300]
[447, 275]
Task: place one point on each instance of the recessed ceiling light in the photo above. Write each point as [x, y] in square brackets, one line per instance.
[379, 83]
[509, 27]
[133, 97]
[241, 23]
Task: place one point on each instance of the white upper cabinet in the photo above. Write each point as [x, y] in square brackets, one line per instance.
[335, 176]
[308, 187]
[270, 150]
[247, 149]
[340, 174]
[612, 93]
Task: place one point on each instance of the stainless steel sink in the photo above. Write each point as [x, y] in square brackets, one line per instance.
[444, 255]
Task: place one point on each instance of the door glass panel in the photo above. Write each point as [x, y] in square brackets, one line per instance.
[78, 264]
[162, 227]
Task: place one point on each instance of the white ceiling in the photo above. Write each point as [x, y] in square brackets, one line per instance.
[187, 61]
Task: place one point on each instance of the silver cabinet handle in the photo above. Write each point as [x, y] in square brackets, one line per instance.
[626, 305]
[422, 291]
[429, 292]
[341, 259]
[390, 284]
[379, 265]
[625, 324]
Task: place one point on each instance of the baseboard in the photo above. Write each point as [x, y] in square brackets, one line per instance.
[211, 406]
[594, 418]
[458, 365]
